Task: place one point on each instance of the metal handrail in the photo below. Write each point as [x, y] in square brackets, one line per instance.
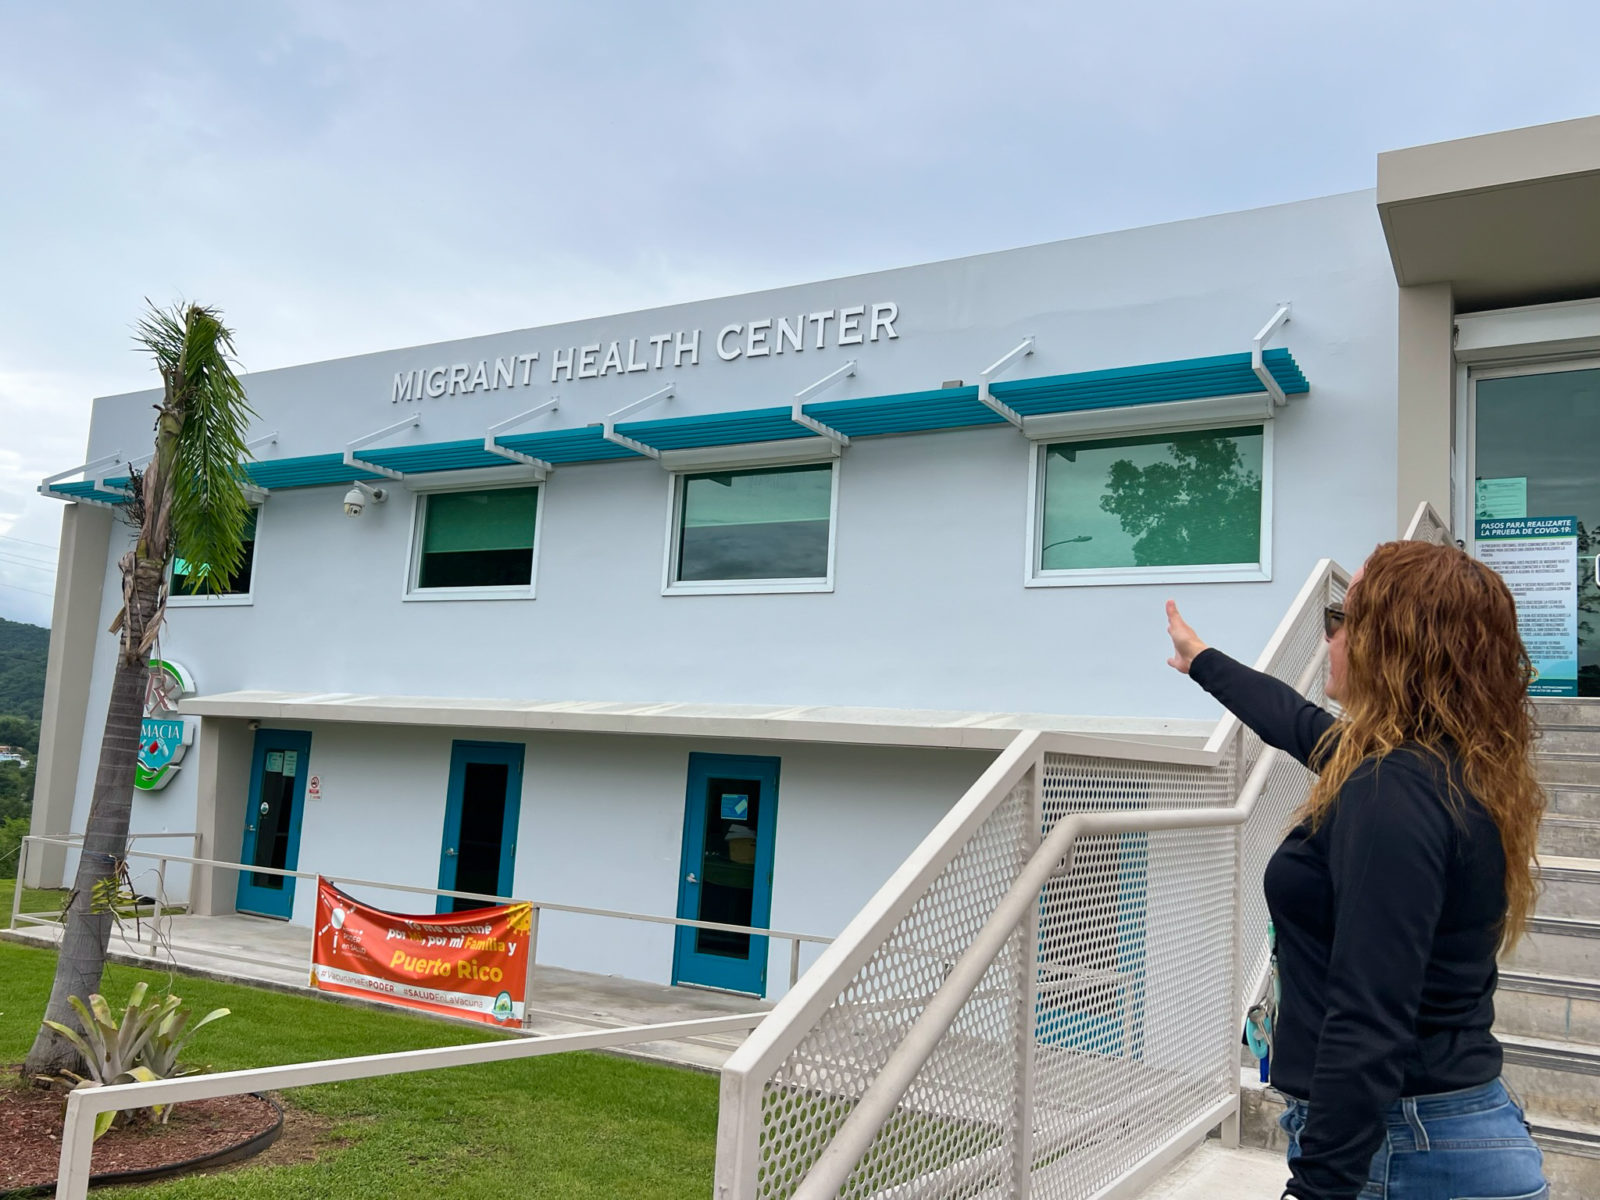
[795, 940]
[77, 1133]
[900, 1069]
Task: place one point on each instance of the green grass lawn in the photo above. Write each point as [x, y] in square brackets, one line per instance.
[569, 1125]
[34, 900]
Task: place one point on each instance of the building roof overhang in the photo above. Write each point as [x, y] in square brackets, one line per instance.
[1175, 740]
[1504, 218]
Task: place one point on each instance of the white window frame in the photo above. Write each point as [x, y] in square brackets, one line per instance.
[238, 600]
[1465, 457]
[670, 586]
[420, 492]
[1259, 572]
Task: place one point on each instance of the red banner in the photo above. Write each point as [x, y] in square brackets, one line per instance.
[467, 964]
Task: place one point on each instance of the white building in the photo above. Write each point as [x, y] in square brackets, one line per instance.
[712, 610]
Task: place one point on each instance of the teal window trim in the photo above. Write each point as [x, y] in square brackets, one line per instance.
[1034, 575]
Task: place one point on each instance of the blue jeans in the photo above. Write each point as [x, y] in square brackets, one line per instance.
[1468, 1145]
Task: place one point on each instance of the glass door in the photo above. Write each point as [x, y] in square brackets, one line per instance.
[1535, 452]
[278, 771]
[729, 818]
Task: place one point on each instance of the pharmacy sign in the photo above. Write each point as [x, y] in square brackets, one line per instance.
[164, 736]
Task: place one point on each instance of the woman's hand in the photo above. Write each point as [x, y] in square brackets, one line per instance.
[1186, 644]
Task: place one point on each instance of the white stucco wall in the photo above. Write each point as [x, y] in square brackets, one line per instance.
[929, 608]
[601, 826]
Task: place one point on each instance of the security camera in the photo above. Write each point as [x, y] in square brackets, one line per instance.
[357, 498]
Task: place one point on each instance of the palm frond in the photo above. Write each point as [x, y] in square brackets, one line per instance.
[194, 351]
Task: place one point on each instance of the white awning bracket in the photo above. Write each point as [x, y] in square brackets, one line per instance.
[491, 437]
[254, 492]
[1003, 363]
[94, 471]
[1269, 383]
[797, 410]
[361, 443]
[608, 427]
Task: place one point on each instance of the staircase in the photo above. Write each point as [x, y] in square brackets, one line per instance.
[1548, 1007]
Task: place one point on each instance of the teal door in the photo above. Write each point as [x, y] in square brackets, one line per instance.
[481, 810]
[729, 818]
[278, 771]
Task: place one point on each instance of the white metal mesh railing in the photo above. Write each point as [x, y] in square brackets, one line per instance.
[1428, 526]
[958, 1112]
[1296, 654]
[1075, 1053]
[1136, 973]
[1103, 1031]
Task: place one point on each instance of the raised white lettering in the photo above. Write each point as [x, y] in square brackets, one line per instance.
[402, 387]
[884, 317]
[480, 377]
[458, 378]
[436, 387]
[562, 363]
[793, 334]
[527, 361]
[660, 343]
[633, 357]
[613, 359]
[755, 344]
[504, 373]
[723, 352]
[586, 357]
[822, 319]
[691, 348]
[850, 325]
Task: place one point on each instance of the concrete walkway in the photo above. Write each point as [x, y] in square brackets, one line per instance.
[277, 955]
[1212, 1173]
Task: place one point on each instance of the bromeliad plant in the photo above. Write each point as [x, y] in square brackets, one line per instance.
[140, 1047]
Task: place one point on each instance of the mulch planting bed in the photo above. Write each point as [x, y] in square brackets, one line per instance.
[198, 1133]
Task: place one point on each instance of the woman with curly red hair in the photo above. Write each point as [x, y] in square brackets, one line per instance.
[1408, 869]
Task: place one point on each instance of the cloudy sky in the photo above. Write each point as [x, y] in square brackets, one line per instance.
[341, 176]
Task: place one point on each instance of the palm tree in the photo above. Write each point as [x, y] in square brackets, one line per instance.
[190, 495]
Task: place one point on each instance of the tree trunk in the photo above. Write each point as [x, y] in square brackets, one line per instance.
[88, 933]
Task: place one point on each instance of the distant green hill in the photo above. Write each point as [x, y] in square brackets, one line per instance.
[23, 649]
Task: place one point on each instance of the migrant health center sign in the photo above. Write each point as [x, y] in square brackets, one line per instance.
[1538, 559]
[467, 964]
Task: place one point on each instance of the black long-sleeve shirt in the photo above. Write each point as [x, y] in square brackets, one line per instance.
[1388, 919]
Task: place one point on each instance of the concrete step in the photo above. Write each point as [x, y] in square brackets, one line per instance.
[1564, 947]
[1574, 800]
[1557, 1080]
[1548, 1007]
[1556, 769]
[1571, 1146]
[1568, 887]
[1577, 710]
[1564, 836]
[1567, 739]
[1571, 1157]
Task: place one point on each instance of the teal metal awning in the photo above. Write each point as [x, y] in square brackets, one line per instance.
[829, 424]
[1153, 383]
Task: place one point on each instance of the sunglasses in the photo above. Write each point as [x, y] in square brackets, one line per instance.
[1332, 620]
